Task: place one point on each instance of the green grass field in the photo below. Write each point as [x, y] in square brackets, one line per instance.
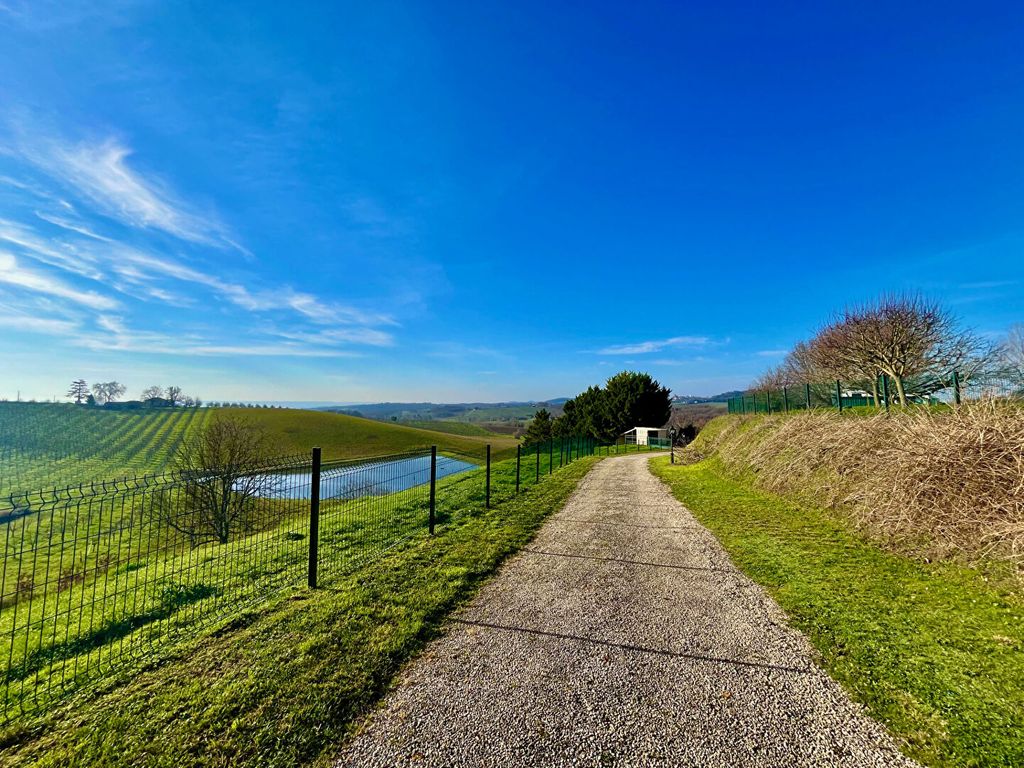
[452, 428]
[44, 445]
[934, 651]
[47, 445]
[345, 437]
[282, 683]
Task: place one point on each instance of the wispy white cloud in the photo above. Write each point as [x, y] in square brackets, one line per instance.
[456, 350]
[101, 172]
[645, 347]
[42, 15]
[12, 273]
[772, 352]
[83, 253]
[185, 346]
[136, 266]
[44, 325]
[336, 336]
[55, 254]
[72, 226]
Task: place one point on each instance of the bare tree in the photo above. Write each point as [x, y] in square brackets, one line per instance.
[78, 391]
[901, 336]
[1011, 354]
[799, 367]
[174, 394]
[839, 357]
[108, 392]
[152, 393]
[224, 473]
[775, 377]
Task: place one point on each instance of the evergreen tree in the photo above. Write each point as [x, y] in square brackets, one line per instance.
[635, 400]
[79, 391]
[540, 428]
[567, 424]
[627, 400]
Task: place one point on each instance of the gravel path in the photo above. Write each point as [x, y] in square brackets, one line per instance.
[623, 636]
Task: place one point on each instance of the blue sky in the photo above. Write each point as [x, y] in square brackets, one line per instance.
[461, 201]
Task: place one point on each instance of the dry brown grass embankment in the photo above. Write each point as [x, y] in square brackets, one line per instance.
[940, 484]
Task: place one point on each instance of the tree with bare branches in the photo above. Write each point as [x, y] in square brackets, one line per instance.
[108, 391]
[799, 367]
[152, 393]
[902, 336]
[1011, 354]
[174, 394]
[224, 473]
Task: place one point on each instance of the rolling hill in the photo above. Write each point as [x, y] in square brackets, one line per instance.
[45, 445]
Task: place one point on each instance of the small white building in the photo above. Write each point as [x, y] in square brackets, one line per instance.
[655, 436]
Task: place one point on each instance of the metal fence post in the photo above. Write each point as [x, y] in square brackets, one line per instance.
[551, 455]
[785, 398]
[314, 518]
[768, 401]
[956, 387]
[487, 492]
[519, 452]
[885, 391]
[807, 394]
[537, 478]
[433, 486]
[839, 395]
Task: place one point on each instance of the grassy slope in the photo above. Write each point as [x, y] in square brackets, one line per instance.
[46, 445]
[283, 687]
[341, 436]
[933, 650]
[451, 427]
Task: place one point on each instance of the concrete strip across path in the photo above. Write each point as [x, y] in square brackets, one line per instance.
[624, 636]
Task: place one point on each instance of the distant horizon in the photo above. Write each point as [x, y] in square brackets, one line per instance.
[414, 202]
[335, 404]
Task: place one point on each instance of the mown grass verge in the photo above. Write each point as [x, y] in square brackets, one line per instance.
[283, 685]
[933, 650]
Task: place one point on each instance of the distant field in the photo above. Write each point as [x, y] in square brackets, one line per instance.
[697, 414]
[450, 427]
[51, 444]
[343, 436]
[508, 413]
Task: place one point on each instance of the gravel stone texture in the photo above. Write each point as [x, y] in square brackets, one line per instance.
[621, 636]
